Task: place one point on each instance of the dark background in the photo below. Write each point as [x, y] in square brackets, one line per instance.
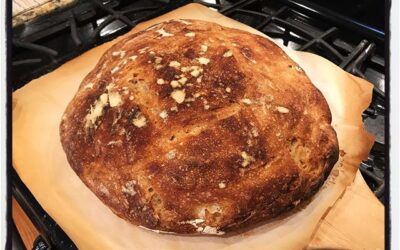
[370, 12]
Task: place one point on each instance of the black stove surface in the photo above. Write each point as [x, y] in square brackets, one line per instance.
[351, 41]
[368, 12]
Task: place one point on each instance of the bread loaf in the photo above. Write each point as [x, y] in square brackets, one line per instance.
[191, 127]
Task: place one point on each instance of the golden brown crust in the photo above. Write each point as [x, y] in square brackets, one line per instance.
[192, 127]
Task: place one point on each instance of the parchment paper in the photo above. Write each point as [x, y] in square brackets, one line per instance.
[41, 163]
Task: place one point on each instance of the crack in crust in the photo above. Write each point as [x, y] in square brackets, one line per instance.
[190, 127]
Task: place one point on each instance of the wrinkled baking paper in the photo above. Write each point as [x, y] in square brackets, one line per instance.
[42, 165]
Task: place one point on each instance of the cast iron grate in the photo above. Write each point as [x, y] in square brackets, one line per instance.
[45, 43]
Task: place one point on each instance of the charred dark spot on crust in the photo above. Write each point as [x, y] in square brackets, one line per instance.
[234, 161]
[102, 85]
[164, 91]
[153, 168]
[222, 75]
[190, 53]
[231, 124]
[289, 183]
[138, 213]
[323, 139]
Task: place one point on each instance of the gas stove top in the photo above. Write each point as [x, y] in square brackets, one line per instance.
[354, 43]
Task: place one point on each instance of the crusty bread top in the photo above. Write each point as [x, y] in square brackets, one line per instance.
[191, 127]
